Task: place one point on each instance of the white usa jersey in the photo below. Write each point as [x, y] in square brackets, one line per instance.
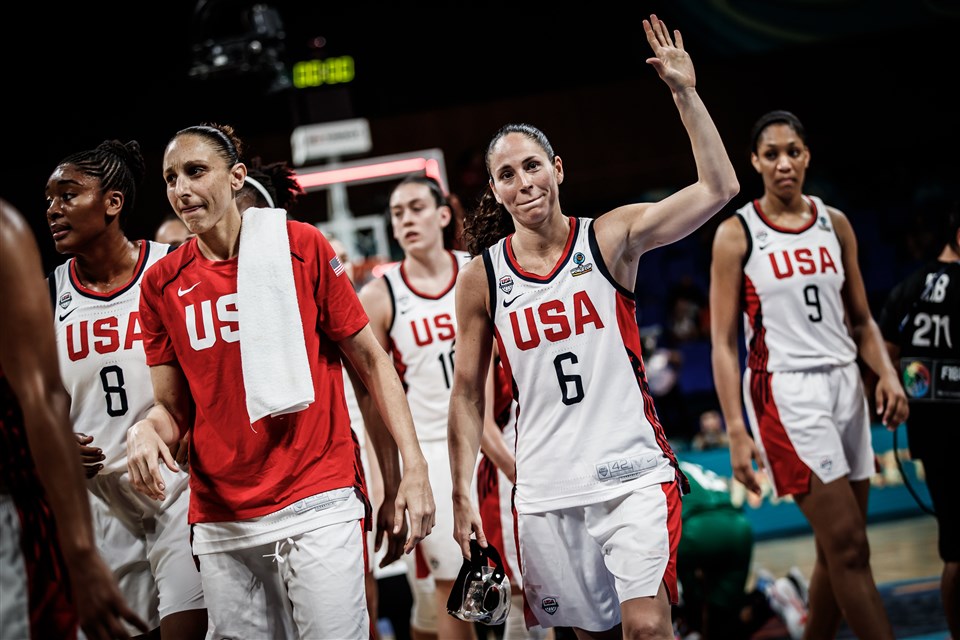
[422, 336]
[587, 430]
[793, 314]
[102, 362]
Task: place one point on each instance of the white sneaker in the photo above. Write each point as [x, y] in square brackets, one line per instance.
[801, 583]
[764, 580]
[786, 602]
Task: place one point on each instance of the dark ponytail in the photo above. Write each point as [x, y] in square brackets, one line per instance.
[487, 224]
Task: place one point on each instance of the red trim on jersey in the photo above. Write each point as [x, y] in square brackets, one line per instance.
[508, 374]
[75, 276]
[502, 394]
[630, 333]
[445, 291]
[516, 532]
[776, 227]
[398, 364]
[759, 353]
[512, 259]
[790, 474]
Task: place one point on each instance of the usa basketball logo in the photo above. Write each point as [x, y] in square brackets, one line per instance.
[506, 284]
[550, 605]
[65, 300]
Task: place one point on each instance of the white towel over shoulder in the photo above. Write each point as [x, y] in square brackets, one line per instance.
[273, 355]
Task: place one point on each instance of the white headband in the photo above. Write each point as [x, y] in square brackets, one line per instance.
[259, 187]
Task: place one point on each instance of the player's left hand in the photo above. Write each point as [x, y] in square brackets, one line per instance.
[891, 402]
[145, 450]
[671, 61]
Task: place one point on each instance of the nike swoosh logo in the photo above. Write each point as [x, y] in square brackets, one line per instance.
[183, 292]
[64, 316]
[507, 303]
[762, 246]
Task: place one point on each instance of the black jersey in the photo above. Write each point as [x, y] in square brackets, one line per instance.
[922, 316]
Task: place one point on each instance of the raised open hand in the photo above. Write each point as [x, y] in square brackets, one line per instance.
[672, 63]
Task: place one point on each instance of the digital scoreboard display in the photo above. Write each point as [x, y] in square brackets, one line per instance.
[317, 73]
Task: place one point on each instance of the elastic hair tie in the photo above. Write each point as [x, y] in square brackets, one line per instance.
[259, 187]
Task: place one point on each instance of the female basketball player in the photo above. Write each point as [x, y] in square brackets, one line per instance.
[277, 502]
[96, 296]
[597, 484]
[788, 263]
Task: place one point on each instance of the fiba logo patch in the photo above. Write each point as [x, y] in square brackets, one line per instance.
[581, 268]
[550, 605]
[916, 379]
[65, 300]
[506, 284]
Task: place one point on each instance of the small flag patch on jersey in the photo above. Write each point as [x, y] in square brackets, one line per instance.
[337, 266]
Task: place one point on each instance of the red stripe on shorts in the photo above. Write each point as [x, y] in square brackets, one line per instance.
[423, 569]
[790, 474]
[671, 491]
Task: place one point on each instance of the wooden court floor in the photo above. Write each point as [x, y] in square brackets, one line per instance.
[906, 568]
[900, 550]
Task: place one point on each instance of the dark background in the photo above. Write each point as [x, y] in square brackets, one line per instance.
[872, 81]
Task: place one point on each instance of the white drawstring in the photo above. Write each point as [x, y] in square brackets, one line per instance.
[276, 552]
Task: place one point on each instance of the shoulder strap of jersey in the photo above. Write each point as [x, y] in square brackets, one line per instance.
[491, 282]
[393, 302]
[746, 232]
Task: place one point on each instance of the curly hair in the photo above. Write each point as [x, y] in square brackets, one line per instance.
[277, 178]
[486, 224]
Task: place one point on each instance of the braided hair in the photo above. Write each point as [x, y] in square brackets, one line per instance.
[118, 166]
